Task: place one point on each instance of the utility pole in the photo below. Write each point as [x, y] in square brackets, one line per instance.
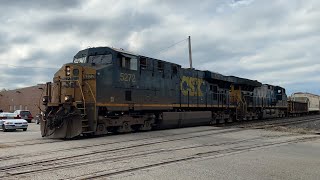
[190, 54]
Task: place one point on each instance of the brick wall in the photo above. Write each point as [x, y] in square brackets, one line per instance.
[28, 98]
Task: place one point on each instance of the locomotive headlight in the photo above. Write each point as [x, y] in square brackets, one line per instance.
[67, 98]
[68, 70]
[45, 100]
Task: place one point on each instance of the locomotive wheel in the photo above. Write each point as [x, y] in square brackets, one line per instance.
[113, 130]
[221, 121]
[136, 127]
[124, 128]
[213, 121]
[146, 126]
[229, 120]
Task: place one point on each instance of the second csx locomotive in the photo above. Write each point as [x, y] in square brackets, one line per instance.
[111, 90]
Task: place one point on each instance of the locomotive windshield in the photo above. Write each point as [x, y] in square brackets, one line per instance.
[100, 59]
[97, 59]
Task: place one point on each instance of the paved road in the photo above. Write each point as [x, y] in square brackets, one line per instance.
[189, 153]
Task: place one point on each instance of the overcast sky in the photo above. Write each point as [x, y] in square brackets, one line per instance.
[274, 41]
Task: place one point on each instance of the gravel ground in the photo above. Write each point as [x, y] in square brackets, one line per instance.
[310, 126]
[303, 125]
[313, 126]
[188, 153]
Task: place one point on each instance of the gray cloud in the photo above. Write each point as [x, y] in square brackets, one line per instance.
[22, 5]
[272, 41]
[123, 23]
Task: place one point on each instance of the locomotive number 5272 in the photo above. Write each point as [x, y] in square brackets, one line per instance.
[127, 77]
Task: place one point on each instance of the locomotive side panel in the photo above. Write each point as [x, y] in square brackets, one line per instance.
[147, 85]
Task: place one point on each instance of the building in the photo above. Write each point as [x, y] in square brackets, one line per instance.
[28, 98]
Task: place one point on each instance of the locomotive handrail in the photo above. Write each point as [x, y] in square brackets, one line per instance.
[94, 98]
[66, 80]
[84, 100]
[95, 101]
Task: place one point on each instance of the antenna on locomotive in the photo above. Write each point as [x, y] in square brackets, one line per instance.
[190, 54]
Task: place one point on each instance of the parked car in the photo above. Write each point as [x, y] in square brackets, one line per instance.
[24, 114]
[7, 115]
[13, 124]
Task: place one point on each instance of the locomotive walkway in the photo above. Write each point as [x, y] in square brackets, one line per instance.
[249, 151]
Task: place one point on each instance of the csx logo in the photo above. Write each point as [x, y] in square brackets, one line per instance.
[191, 85]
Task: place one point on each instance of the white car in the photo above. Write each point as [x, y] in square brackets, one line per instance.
[7, 115]
[13, 124]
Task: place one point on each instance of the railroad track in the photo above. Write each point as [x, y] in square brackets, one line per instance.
[89, 160]
[252, 124]
[29, 142]
[110, 150]
[198, 156]
[286, 124]
[100, 156]
[273, 122]
[216, 131]
[42, 167]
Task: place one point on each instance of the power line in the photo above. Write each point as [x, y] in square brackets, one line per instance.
[155, 53]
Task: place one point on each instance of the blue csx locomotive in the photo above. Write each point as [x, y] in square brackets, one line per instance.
[111, 90]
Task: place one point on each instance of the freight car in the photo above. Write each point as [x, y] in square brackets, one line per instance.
[312, 100]
[297, 108]
[111, 90]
